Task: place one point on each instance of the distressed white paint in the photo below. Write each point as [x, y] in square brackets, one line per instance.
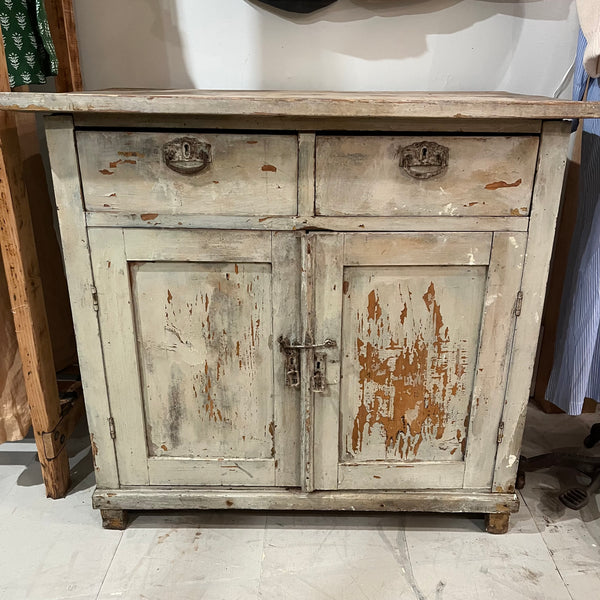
[362, 175]
[246, 174]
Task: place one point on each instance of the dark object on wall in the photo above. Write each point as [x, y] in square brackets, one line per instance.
[299, 6]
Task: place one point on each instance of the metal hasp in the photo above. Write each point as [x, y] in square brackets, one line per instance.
[423, 160]
[187, 155]
[292, 363]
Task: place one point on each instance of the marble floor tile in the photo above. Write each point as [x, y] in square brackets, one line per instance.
[52, 549]
[187, 555]
[321, 556]
[57, 550]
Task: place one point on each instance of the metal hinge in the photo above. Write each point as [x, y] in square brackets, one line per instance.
[111, 428]
[500, 433]
[95, 298]
[519, 304]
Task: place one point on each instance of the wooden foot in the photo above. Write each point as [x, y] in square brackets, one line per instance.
[497, 522]
[114, 518]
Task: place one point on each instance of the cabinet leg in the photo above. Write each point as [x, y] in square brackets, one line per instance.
[114, 518]
[497, 522]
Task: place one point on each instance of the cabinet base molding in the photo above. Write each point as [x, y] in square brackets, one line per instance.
[119, 500]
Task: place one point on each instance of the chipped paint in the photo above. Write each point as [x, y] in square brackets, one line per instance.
[407, 387]
[491, 299]
[148, 216]
[269, 168]
[106, 172]
[129, 154]
[496, 185]
[511, 460]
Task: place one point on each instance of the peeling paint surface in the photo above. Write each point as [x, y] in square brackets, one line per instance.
[410, 338]
[203, 331]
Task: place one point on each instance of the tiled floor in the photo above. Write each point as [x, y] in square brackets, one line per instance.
[55, 550]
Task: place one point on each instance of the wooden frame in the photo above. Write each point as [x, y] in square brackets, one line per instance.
[51, 425]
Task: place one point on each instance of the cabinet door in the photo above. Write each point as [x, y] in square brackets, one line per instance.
[189, 323]
[415, 387]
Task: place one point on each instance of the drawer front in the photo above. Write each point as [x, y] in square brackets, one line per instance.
[425, 175]
[173, 172]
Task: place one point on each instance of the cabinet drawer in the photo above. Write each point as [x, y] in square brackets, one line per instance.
[196, 173]
[425, 175]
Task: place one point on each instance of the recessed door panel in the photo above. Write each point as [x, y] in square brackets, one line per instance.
[409, 347]
[203, 343]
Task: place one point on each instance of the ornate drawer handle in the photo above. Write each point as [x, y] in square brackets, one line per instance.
[423, 160]
[187, 155]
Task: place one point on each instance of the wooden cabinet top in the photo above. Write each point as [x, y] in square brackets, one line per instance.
[421, 105]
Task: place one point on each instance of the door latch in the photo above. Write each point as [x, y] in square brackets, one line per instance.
[292, 363]
[285, 345]
[292, 367]
[318, 378]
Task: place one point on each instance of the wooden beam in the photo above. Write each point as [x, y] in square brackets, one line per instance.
[62, 26]
[27, 300]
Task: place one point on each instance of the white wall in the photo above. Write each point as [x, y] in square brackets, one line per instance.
[521, 46]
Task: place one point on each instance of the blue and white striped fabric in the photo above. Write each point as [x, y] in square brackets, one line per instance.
[576, 370]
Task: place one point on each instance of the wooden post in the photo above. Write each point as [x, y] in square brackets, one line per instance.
[27, 300]
[62, 26]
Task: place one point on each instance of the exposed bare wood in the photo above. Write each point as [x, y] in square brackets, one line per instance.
[497, 522]
[273, 499]
[62, 26]
[114, 518]
[55, 440]
[418, 105]
[27, 300]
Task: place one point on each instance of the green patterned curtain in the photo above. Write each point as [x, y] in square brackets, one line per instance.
[30, 53]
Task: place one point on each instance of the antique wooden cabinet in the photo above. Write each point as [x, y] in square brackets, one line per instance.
[306, 301]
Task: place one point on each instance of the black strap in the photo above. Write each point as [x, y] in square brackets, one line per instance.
[299, 6]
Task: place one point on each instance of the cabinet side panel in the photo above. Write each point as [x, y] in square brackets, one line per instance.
[545, 206]
[71, 218]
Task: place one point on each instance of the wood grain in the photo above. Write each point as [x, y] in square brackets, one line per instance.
[485, 176]
[417, 105]
[249, 174]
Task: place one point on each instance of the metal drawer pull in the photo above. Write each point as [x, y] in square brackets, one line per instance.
[423, 160]
[187, 155]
